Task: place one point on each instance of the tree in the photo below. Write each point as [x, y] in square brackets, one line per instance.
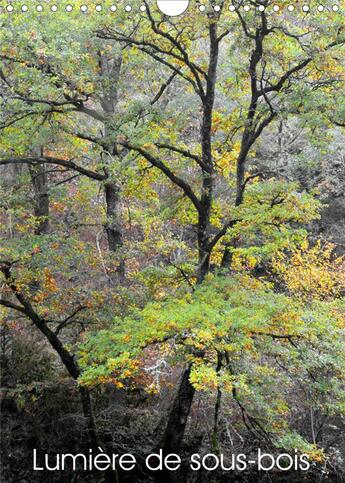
[268, 79]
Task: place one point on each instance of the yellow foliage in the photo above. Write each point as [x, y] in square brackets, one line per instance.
[226, 161]
[49, 282]
[243, 262]
[312, 271]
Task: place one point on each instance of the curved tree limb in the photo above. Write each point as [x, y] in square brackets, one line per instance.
[51, 160]
[158, 163]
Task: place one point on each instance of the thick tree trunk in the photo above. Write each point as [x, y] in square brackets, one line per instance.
[175, 429]
[41, 202]
[204, 263]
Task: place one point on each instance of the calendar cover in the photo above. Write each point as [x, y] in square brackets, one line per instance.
[172, 241]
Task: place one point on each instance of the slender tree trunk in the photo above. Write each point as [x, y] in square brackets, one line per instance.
[41, 202]
[55, 342]
[204, 227]
[110, 69]
[227, 257]
[215, 442]
[113, 226]
[74, 371]
[88, 414]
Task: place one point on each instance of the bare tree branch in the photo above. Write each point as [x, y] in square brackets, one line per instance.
[50, 160]
[158, 163]
[184, 152]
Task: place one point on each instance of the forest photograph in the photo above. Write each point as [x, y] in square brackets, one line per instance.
[172, 241]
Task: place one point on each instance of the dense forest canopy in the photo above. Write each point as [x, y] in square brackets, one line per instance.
[172, 231]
